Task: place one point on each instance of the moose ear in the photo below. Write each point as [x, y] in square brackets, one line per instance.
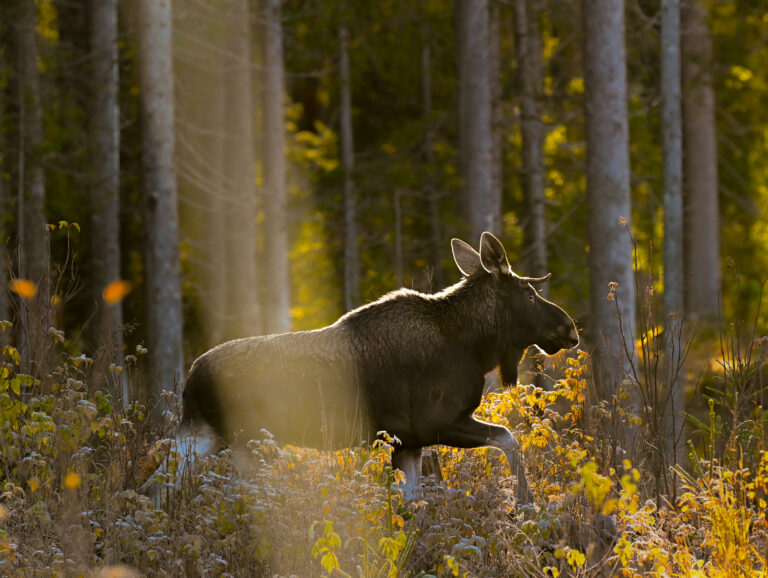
[467, 259]
[493, 256]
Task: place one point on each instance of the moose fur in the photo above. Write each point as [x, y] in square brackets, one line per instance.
[411, 364]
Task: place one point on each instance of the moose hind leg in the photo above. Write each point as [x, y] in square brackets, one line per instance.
[472, 433]
[408, 460]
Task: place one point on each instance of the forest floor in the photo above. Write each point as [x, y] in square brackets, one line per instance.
[72, 459]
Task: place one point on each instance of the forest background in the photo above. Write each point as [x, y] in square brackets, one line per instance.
[174, 174]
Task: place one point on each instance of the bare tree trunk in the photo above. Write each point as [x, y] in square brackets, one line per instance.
[32, 231]
[672, 146]
[278, 287]
[530, 74]
[219, 206]
[702, 225]
[203, 69]
[4, 198]
[161, 220]
[608, 190]
[475, 134]
[497, 118]
[671, 125]
[105, 199]
[351, 250]
[433, 195]
[243, 282]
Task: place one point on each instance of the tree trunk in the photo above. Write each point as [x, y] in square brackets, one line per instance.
[497, 116]
[432, 192]
[203, 69]
[163, 276]
[671, 136]
[105, 200]
[245, 312]
[4, 206]
[608, 189]
[33, 236]
[351, 251]
[219, 203]
[480, 200]
[530, 75]
[702, 226]
[278, 287]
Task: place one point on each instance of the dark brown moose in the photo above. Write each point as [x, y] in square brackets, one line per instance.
[410, 364]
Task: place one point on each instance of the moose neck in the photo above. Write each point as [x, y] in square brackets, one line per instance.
[472, 315]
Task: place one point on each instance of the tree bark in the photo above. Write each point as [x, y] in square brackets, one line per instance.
[480, 200]
[4, 206]
[278, 287]
[702, 225]
[163, 276]
[672, 185]
[33, 236]
[497, 116]
[219, 201]
[245, 312]
[432, 192]
[608, 189]
[351, 250]
[530, 75]
[671, 124]
[105, 200]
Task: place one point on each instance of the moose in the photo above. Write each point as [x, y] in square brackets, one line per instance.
[410, 364]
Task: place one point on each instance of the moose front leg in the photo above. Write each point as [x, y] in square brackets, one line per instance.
[471, 433]
[408, 460]
[508, 367]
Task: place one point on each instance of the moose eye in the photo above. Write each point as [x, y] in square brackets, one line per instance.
[532, 297]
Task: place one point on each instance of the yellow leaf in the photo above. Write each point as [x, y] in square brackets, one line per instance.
[72, 481]
[34, 483]
[116, 291]
[608, 506]
[23, 287]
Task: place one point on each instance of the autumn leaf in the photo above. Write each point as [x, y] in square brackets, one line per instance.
[116, 291]
[72, 481]
[23, 287]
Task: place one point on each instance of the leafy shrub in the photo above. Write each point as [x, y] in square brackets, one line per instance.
[71, 460]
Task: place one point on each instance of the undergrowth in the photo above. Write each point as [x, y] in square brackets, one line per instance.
[72, 457]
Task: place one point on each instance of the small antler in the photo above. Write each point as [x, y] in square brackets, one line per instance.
[534, 280]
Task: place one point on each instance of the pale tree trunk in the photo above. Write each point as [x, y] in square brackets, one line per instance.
[105, 200]
[278, 287]
[4, 197]
[608, 190]
[672, 185]
[432, 192]
[480, 200]
[245, 312]
[32, 231]
[497, 117]
[35, 317]
[219, 204]
[702, 225]
[203, 65]
[351, 250]
[530, 73]
[163, 275]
